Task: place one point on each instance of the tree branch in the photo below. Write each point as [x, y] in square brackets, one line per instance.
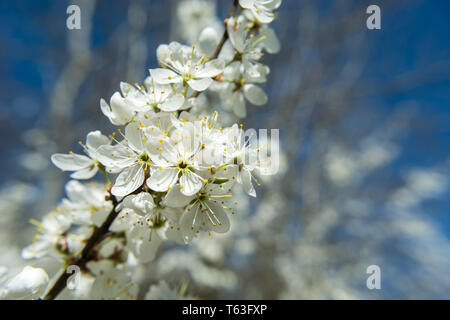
[223, 39]
[95, 238]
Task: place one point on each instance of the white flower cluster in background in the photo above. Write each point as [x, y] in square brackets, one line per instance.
[172, 170]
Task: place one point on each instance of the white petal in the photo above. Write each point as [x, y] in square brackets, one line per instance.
[175, 199]
[85, 173]
[141, 203]
[238, 103]
[255, 94]
[28, 284]
[201, 84]
[246, 3]
[191, 182]
[37, 249]
[223, 223]
[119, 113]
[237, 36]
[99, 216]
[164, 76]
[189, 221]
[128, 181]
[147, 247]
[211, 69]
[246, 179]
[172, 103]
[162, 51]
[115, 156]
[76, 191]
[71, 162]
[208, 40]
[262, 16]
[271, 42]
[161, 180]
[95, 139]
[135, 98]
[133, 132]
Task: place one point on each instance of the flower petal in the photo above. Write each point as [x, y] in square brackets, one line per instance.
[271, 42]
[28, 284]
[85, 173]
[134, 135]
[161, 180]
[71, 162]
[191, 182]
[238, 103]
[147, 247]
[208, 40]
[220, 218]
[175, 199]
[119, 113]
[95, 139]
[128, 181]
[211, 69]
[246, 180]
[200, 84]
[189, 222]
[255, 94]
[164, 76]
[172, 103]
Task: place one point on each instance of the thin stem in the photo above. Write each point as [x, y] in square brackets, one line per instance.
[222, 40]
[95, 238]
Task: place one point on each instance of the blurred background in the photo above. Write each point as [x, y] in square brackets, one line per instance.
[364, 130]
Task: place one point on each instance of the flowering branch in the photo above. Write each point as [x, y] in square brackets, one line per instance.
[223, 39]
[96, 237]
[175, 169]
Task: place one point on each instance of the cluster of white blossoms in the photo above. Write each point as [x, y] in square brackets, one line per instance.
[172, 171]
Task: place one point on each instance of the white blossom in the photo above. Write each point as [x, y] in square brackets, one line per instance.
[261, 9]
[30, 283]
[85, 167]
[185, 65]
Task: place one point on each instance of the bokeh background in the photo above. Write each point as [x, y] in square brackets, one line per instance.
[364, 129]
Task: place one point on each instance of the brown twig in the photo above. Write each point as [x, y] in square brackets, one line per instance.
[95, 238]
[222, 40]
